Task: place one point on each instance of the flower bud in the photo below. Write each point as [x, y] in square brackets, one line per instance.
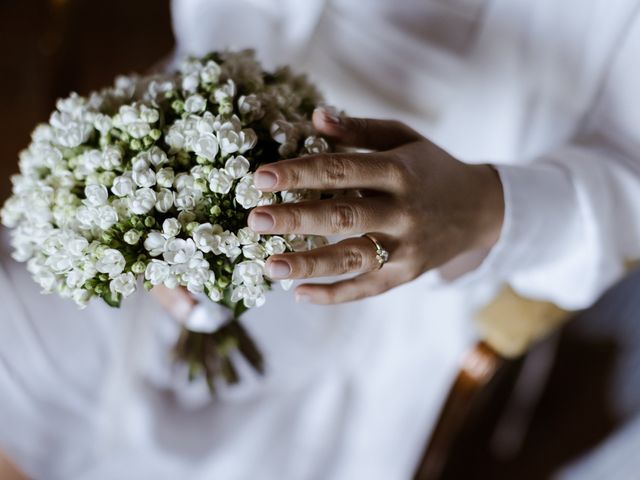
[215, 211]
[138, 267]
[132, 237]
[191, 226]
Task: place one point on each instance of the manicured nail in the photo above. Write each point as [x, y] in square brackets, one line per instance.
[278, 269]
[261, 222]
[264, 180]
[329, 116]
[302, 298]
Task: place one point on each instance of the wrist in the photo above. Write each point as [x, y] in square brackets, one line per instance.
[490, 206]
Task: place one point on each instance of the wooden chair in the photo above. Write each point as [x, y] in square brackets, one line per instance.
[509, 327]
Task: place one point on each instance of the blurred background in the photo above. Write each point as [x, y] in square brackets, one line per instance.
[52, 47]
[587, 389]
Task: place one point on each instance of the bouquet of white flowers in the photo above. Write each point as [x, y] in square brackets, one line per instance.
[152, 179]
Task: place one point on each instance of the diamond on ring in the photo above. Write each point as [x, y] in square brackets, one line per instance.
[382, 255]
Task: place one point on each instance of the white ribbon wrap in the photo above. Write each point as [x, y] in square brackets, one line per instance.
[207, 316]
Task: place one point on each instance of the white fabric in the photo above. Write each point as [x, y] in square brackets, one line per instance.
[545, 89]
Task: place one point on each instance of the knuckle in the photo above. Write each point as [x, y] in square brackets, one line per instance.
[292, 220]
[334, 169]
[291, 176]
[399, 172]
[352, 260]
[307, 266]
[343, 217]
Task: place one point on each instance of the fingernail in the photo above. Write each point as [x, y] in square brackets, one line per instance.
[329, 116]
[302, 298]
[261, 222]
[264, 180]
[278, 269]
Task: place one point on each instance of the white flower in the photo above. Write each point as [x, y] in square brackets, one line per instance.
[207, 237]
[178, 250]
[111, 157]
[210, 73]
[215, 294]
[111, 262]
[197, 275]
[206, 123]
[206, 146]
[187, 199]
[164, 200]
[229, 141]
[81, 297]
[229, 245]
[282, 131]
[249, 272]
[247, 194]
[69, 131]
[275, 245]
[105, 217]
[254, 251]
[156, 156]
[316, 145]
[155, 243]
[226, 92]
[175, 138]
[96, 195]
[195, 104]
[171, 227]
[144, 178]
[237, 166]
[251, 106]
[157, 271]
[184, 181]
[124, 284]
[252, 296]
[142, 201]
[248, 140]
[165, 177]
[246, 236]
[123, 185]
[190, 83]
[220, 181]
[135, 121]
[60, 262]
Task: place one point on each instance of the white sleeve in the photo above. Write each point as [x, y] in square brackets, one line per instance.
[572, 217]
[278, 29]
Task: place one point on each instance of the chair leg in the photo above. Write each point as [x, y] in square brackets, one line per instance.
[479, 366]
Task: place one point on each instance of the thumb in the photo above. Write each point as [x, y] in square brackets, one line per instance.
[372, 134]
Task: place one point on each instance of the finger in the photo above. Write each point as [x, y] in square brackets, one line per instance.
[177, 301]
[373, 134]
[331, 171]
[366, 285]
[348, 256]
[325, 217]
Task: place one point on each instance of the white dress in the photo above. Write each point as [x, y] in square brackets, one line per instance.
[546, 90]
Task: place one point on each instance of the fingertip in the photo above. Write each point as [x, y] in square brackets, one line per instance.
[265, 180]
[326, 120]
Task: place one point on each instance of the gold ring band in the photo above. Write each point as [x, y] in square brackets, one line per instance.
[382, 255]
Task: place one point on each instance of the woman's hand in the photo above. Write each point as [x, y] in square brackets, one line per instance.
[421, 204]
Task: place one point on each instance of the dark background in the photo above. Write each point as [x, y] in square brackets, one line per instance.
[50, 48]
